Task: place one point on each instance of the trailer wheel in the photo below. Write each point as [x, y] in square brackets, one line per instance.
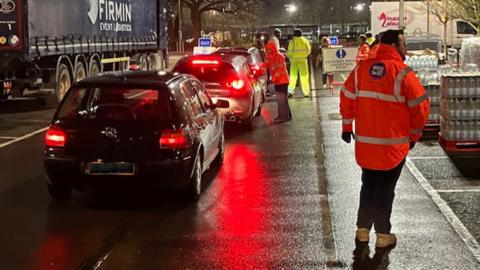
[64, 81]
[79, 72]
[94, 68]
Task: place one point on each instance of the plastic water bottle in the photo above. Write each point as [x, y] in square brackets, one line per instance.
[464, 87]
[458, 86]
[471, 87]
[458, 132]
[476, 106]
[477, 131]
[463, 130]
[471, 131]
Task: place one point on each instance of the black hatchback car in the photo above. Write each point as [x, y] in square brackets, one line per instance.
[151, 128]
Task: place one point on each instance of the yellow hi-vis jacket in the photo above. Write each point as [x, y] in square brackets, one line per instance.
[299, 48]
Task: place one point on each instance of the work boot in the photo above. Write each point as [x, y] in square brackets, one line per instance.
[362, 235]
[385, 240]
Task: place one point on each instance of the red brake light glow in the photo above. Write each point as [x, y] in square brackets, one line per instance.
[237, 84]
[55, 137]
[173, 139]
[205, 62]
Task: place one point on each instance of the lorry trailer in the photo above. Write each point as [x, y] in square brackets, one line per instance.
[385, 15]
[46, 46]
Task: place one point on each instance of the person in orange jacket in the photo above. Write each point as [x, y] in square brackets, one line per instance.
[389, 106]
[279, 76]
[363, 50]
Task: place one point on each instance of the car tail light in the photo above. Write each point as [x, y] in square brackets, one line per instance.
[55, 137]
[135, 67]
[236, 84]
[173, 139]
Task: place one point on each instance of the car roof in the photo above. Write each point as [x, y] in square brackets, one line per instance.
[232, 51]
[134, 78]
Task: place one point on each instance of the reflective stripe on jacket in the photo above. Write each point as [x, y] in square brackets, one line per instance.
[299, 47]
[276, 64]
[389, 107]
[362, 53]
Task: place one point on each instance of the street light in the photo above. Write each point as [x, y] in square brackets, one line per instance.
[291, 8]
[359, 7]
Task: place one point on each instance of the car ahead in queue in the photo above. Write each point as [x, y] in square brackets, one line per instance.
[139, 128]
[256, 62]
[227, 77]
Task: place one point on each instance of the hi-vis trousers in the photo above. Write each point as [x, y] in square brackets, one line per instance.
[296, 66]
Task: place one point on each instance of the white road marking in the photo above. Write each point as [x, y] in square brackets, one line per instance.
[457, 190]
[417, 158]
[7, 138]
[31, 134]
[101, 261]
[454, 221]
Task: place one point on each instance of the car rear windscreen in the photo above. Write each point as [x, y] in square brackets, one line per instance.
[115, 104]
[207, 73]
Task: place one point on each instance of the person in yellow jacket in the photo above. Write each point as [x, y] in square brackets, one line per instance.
[298, 51]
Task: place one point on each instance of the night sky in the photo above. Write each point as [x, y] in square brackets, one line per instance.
[276, 8]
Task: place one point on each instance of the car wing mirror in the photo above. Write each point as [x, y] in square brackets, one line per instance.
[224, 104]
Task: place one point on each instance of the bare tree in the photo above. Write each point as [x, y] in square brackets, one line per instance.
[445, 11]
[470, 11]
[237, 8]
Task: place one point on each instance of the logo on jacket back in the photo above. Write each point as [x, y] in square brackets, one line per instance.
[114, 15]
[377, 71]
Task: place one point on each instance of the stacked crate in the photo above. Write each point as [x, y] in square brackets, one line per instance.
[460, 112]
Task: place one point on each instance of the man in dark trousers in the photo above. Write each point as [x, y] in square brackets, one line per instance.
[389, 106]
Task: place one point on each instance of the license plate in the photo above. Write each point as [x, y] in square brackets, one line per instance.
[110, 168]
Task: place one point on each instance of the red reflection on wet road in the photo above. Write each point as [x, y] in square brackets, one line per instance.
[241, 217]
[53, 253]
[266, 114]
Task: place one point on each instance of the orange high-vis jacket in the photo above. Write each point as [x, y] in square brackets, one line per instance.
[276, 64]
[362, 53]
[389, 106]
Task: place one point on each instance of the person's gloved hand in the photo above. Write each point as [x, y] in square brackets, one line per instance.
[347, 136]
[412, 145]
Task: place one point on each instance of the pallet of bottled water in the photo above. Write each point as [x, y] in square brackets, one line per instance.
[460, 108]
[433, 92]
[426, 67]
[434, 117]
[460, 130]
[460, 112]
[461, 85]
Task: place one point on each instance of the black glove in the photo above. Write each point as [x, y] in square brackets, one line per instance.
[347, 136]
[412, 145]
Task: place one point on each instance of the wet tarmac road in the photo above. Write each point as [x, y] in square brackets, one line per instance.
[270, 206]
[261, 208]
